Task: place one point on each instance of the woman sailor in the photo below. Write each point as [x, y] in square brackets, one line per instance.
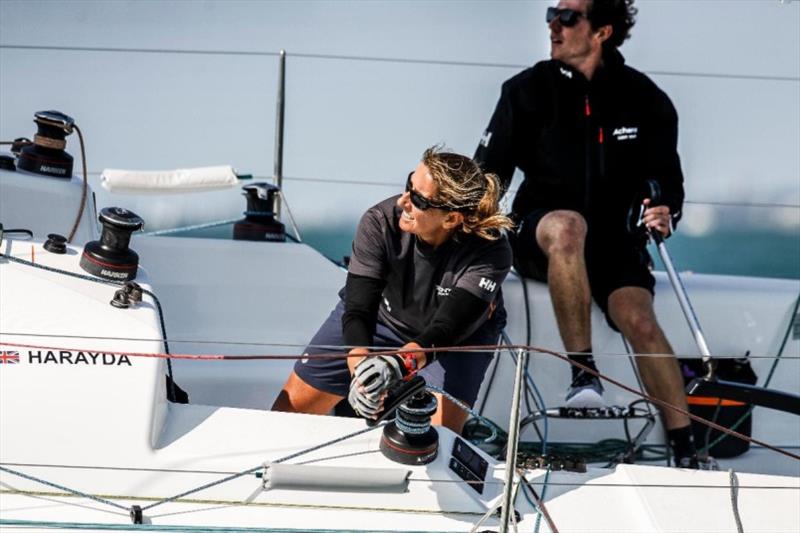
[425, 272]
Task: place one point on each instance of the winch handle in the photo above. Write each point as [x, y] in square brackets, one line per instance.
[398, 396]
[652, 190]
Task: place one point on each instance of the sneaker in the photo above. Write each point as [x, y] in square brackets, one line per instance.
[697, 463]
[687, 462]
[585, 391]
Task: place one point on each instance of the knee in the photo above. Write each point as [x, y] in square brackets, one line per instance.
[562, 233]
[638, 326]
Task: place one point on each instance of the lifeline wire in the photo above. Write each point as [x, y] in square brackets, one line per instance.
[378, 59]
[61, 487]
[259, 467]
[322, 346]
[186, 529]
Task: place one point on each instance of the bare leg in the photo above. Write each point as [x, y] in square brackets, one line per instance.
[631, 309]
[298, 396]
[562, 236]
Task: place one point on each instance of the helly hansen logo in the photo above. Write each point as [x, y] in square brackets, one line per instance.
[565, 72]
[485, 138]
[487, 284]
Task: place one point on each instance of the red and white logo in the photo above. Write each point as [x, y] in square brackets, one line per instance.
[9, 358]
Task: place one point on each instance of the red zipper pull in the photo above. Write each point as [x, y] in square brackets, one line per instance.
[600, 136]
[588, 108]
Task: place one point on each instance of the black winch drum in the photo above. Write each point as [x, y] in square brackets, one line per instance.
[110, 257]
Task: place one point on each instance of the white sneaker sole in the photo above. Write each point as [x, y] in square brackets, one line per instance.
[586, 398]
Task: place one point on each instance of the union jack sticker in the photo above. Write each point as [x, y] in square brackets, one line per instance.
[9, 358]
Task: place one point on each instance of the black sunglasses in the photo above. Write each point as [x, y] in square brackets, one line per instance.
[566, 17]
[419, 201]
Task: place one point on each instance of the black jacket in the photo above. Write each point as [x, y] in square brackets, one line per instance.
[584, 145]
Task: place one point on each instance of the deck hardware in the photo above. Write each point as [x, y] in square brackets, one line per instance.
[110, 257]
[130, 294]
[46, 155]
[56, 244]
[513, 442]
[136, 514]
[410, 439]
[259, 223]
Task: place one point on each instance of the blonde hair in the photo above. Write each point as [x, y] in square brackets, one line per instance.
[463, 187]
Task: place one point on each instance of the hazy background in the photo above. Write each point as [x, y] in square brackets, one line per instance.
[371, 84]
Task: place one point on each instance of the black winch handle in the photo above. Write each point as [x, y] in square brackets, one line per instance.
[397, 396]
[652, 190]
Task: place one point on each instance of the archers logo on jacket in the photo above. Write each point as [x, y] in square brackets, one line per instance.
[625, 133]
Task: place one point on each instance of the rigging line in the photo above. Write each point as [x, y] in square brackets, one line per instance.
[734, 486]
[259, 467]
[195, 51]
[567, 484]
[143, 339]
[84, 187]
[540, 504]
[374, 59]
[735, 499]
[62, 487]
[177, 51]
[377, 350]
[741, 204]
[193, 529]
[247, 503]
[206, 225]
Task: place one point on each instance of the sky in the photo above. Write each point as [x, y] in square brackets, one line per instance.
[371, 84]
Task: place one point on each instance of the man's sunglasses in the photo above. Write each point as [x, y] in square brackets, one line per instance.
[566, 17]
[419, 201]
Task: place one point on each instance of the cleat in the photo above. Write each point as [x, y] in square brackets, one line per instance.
[585, 391]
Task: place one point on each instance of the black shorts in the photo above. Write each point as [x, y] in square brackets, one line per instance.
[458, 373]
[610, 263]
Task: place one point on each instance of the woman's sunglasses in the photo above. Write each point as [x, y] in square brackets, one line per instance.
[419, 201]
[566, 17]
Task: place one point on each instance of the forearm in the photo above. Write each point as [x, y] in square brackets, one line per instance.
[362, 298]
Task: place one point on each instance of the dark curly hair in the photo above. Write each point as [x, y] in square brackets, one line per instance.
[620, 14]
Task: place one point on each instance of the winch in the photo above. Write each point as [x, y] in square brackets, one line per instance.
[259, 222]
[110, 257]
[409, 439]
[46, 155]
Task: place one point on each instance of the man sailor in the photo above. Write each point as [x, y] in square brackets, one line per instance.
[587, 131]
